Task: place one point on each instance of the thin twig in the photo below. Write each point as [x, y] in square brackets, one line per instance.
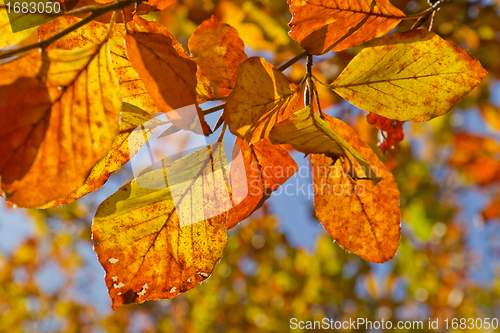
[431, 25]
[219, 122]
[217, 98]
[292, 61]
[222, 132]
[214, 109]
[96, 11]
[321, 114]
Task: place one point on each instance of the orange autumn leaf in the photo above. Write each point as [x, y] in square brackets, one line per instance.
[477, 157]
[492, 211]
[126, 144]
[163, 233]
[256, 171]
[161, 4]
[217, 48]
[65, 126]
[321, 26]
[361, 217]
[131, 86]
[169, 78]
[262, 97]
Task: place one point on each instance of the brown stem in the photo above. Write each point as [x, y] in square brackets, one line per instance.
[292, 61]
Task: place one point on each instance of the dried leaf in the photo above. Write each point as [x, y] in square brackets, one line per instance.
[413, 75]
[262, 97]
[320, 26]
[163, 233]
[361, 217]
[169, 78]
[257, 170]
[310, 134]
[60, 123]
[217, 48]
[124, 147]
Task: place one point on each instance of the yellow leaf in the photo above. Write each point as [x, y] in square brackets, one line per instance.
[262, 97]
[169, 78]
[257, 170]
[320, 26]
[218, 50]
[361, 217]
[124, 147]
[413, 75]
[61, 122]
[310, 134]
[163, 233]
[131, 87]
[7, 37]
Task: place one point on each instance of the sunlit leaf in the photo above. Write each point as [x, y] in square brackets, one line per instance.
[162, 233]
[413, 75]
[257, 170]
[262, 97]
[324, 25]
[361, 217]
[310, 134]
[61, 122]
[218, 50]
[169, 78]
[124, 147]
[161, 4]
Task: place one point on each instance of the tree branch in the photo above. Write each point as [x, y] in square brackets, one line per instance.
[96, 11]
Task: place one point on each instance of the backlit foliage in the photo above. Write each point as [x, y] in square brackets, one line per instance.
[70, 103]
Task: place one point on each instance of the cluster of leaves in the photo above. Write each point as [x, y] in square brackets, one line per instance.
[71, 101]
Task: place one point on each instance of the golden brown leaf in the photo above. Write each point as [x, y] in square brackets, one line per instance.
[361, 217]
[124, 147]
[262, 97]
[414, 75]
[131, 86]
[310, 134]
[163, 233]
[324, 25]
[169, 78]
[61, 122]
[257, 170]
[217, 48]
